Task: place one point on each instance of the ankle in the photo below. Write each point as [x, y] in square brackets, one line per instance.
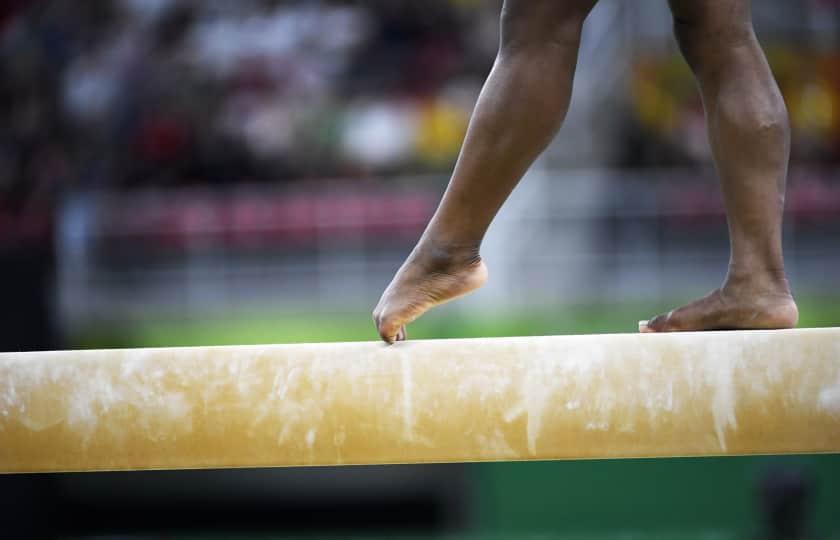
[757, 278]
[437, 255]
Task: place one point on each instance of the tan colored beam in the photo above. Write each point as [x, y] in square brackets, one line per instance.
[596, 396]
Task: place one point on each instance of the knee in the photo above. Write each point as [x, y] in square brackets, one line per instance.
[529, 24]
[728, 62]
[704, 42]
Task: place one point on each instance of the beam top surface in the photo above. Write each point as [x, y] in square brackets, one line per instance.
[525, 398]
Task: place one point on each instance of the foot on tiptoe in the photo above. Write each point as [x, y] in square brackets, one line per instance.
[431, 276]
[746, 302]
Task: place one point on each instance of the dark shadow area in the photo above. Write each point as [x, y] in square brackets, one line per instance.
[427, 499]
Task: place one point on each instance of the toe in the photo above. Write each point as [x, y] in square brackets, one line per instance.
[389, 329]
[660, 323]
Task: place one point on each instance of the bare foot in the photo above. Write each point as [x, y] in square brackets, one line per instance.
[430, 277]
[742, 303]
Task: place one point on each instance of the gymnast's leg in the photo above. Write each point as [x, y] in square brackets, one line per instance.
[748, 130]
[520, 108]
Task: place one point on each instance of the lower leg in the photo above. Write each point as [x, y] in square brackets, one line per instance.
[749, 135]
[521, 106]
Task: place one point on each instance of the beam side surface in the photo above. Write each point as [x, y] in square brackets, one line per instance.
[529, 398]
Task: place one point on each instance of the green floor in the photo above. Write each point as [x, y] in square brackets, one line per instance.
[717, 494]
[295, 327]
[707, 498]
[627, 535]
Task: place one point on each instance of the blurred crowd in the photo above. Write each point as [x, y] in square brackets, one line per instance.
[153, 92]
[667, 124]
[128, 93]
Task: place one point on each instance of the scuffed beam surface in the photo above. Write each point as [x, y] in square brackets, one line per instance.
[597, 396]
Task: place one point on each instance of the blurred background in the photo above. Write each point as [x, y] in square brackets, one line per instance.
[197, 172]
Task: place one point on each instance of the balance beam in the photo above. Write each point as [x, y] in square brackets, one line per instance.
[532, 398]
